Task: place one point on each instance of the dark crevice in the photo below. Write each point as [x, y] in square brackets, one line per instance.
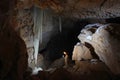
[93, 30]
[90, 47]
[113, 20]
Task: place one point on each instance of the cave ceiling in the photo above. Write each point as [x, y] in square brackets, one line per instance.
[72, 8]
[79, 8]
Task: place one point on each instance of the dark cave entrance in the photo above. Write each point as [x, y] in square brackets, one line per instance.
[65, 40]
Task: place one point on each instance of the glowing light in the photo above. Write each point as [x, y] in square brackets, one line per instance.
[65, 53]
[66, 58]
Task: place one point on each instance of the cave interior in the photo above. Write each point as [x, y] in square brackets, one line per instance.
[60, 40]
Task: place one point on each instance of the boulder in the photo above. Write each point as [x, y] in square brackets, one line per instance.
[81, 52]
[105, 40]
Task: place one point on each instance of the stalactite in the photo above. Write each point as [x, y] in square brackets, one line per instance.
[35, 37]
[38, 25]
[42, 21]
[35, 17]
[60, 24]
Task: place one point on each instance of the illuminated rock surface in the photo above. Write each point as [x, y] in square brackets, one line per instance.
[81, 52]
[105, 40]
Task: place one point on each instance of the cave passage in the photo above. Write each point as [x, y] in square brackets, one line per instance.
[65, 40]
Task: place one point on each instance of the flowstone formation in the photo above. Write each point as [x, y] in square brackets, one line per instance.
[104, 38]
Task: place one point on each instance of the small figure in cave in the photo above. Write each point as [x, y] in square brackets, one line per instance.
[66, 59]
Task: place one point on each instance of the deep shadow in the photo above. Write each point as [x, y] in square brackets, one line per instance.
[90, 47]
[113, 20]
[65, 40]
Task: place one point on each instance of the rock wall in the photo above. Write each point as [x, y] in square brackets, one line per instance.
[105, 40]
[25, 30]
[36, 26]
[13, 54]
[81, 52]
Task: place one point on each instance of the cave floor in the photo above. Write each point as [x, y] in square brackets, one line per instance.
[81, 70]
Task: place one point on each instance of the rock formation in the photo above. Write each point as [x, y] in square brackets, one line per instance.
[81, 52]
[13, 54]
[25, 30]
[36, 30]
[105, 40]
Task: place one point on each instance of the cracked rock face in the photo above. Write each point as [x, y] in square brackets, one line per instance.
[105, 40]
